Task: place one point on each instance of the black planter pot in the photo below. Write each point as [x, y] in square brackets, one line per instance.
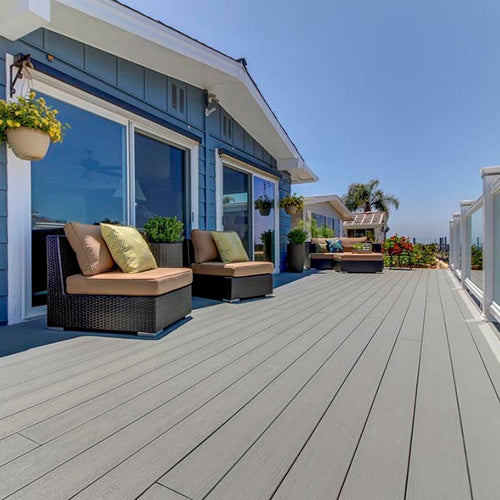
[296, 257]
[167, 254]
[264, 211]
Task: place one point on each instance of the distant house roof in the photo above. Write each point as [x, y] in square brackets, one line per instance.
[332, 199]
[367, 220]
[121, 30]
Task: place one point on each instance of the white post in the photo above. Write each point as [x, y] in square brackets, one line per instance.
[451, 261]
[456, 243]
[490, 176]
[465, 237]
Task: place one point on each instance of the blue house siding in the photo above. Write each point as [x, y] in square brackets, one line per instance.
[151, 92]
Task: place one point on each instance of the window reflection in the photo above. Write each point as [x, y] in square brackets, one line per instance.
[160, 180]
[235, 198]
[264, 220]
[79, 180]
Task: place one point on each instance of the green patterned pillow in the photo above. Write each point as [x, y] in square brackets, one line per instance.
[128, 248]
[230, 248]
[321, 248]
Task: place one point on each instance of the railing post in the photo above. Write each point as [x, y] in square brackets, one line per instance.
[465, 236]
[451, 246]
[456, 243]
[489, 176]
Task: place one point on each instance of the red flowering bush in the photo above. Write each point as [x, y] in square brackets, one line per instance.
[397, 245]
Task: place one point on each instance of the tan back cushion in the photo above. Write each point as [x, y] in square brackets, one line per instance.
[347, 243]
[91, 251]
[204, 246]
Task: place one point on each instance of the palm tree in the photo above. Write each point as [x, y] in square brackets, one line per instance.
[368, 197]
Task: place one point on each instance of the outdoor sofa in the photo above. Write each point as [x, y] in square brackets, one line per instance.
[214, 279]
[114, 301]
[347, 260]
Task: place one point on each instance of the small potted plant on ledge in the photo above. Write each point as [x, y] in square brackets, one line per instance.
[264, 205]
[29, 125]
[296, 249]
[165, 236]
[292, 204]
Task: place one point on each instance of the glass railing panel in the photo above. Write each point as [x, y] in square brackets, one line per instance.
[476, 246]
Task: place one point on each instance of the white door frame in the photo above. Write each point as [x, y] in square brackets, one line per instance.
[19, 184]
[224, 160]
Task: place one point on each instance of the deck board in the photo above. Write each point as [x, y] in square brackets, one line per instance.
[339, 386]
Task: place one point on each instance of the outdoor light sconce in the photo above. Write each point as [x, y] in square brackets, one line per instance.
[211, 102]
[23, 64]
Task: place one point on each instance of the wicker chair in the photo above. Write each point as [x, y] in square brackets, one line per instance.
[226, 288]
[144, 315]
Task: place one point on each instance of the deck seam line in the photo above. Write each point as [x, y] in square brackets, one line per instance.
[415, 400]
[146, 373]
[194, 411]
[379, 384]
[456, 390]
[335, 395]
[455, 297]
[279, 413]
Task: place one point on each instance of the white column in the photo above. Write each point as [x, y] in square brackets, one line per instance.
[456, 242]
[465, 233]
[451, 246]
[490, 177]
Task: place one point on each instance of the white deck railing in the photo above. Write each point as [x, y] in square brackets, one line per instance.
[475, 237]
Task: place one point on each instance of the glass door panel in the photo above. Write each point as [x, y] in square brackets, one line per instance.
[80, 180]
[264, 220]
[160, 180]
[476, 271]
[236, 213]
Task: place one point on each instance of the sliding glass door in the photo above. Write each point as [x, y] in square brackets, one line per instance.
[235, 203]
[83, 179]
[249, 208]
[264, 220]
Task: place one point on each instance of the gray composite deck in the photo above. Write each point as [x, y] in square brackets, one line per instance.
[340, 386]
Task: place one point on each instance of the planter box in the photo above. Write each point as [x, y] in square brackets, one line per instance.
[167, 254]
[296, 257]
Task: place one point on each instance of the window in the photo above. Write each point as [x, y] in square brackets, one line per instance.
[160, 180]
[81, 180]
[264, 225]
[227, 127]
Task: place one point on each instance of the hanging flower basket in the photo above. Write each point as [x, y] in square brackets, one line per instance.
[29, 125]
[264, 205]
[28, 143]
[292, 204]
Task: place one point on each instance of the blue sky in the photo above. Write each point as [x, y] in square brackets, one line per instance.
[407, 92]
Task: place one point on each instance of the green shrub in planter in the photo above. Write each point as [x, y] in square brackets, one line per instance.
[164, 230]
[165, 235]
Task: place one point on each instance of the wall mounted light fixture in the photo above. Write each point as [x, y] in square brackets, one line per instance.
[211, 102]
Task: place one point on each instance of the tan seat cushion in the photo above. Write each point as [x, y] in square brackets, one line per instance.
[90, 248]
[204, 246]
[348, 256]
[234, 269]
[347, 243]
[360, 257]
[147, 283]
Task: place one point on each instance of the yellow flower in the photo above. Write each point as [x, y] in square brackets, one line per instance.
[17, 124]
[10, 123]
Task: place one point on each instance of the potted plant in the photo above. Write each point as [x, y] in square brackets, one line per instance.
[29, 125]
[267, 238]
[296, 249]
[165, 235]
[264, 205]
[292, 203]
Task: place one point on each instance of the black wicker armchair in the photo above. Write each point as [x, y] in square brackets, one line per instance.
[144, 315]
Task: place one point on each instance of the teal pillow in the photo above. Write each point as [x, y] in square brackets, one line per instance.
[334, 246]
